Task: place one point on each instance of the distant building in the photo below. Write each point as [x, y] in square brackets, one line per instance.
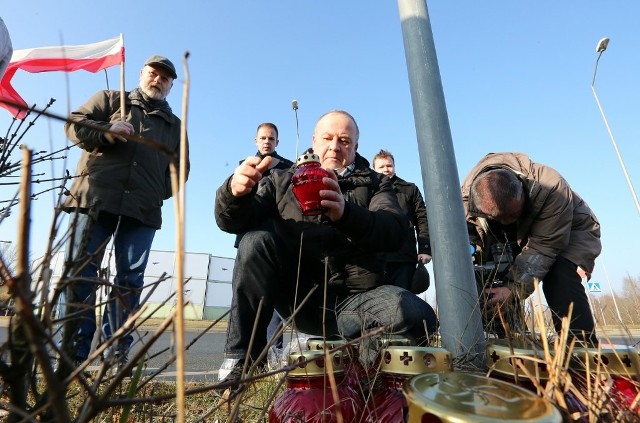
[207, 283]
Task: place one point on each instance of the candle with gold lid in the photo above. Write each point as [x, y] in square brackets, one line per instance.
[464, 397]
[504, 358]
[382, 343]
[308, 396]
[399, 363]
[356, 375]
[615, 367]
[385, 341]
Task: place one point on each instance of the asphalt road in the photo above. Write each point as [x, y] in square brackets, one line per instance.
[204, 355]
[202, 359]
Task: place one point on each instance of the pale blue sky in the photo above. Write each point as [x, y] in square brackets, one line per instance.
[516, 77]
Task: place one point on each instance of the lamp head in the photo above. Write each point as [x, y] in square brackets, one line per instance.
[602, 45]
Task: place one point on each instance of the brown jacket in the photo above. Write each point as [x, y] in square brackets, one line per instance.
[126, 178]
[555, 222]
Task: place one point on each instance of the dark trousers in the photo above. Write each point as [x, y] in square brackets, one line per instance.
[562, 286]
[266, 270]
[400, 274]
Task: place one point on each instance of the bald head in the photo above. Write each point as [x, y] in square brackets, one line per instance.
[498, 195]
[335, 139]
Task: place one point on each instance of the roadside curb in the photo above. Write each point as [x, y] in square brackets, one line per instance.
[152, 324]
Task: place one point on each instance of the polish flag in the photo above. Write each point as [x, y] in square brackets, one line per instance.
[90, 57]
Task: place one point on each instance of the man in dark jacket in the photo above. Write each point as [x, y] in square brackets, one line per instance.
[279, 268]
[267, 140]
[530, 211]
[401, 264]
[118, 193]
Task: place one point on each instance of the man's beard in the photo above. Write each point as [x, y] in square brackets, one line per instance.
[151, 92]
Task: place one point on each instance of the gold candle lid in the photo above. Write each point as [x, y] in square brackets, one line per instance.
[317, 366]
[319, 344]
[618, 360]
[307, 157]
[463, 397]
[402, 360]
[502, 355]
[392, 341]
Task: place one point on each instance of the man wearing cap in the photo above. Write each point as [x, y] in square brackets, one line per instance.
[118, 192]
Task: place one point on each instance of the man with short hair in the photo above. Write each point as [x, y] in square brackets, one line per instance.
[267, 140]
[118, 194]
[401, 264]
[279, 268]
[511, 200]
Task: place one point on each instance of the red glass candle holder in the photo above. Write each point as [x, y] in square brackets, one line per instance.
[307, 183]
[309, 397]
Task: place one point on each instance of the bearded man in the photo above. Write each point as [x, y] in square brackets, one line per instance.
[118, 192]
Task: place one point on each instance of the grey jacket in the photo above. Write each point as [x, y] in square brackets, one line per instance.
[126, 178]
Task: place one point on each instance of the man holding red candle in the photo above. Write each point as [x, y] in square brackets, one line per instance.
[328, 261]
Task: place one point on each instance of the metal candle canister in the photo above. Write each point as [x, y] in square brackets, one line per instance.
[504, 355]
[307, 183]
[308, 394]
[617, 366]
[384, 342]
[464, 397]
[397, 364]
[356, 376]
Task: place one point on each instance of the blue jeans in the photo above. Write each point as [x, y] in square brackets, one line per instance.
[267, 269]
[274, 326]
[132, 243]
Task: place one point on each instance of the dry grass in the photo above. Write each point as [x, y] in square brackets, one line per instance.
[33, 392]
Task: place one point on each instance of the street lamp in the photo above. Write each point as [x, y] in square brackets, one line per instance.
[600, 48]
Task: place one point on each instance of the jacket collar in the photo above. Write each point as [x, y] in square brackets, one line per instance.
[159, 107]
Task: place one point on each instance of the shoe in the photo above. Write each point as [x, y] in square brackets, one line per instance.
[121, 362]
[230, 371]
[77, 362]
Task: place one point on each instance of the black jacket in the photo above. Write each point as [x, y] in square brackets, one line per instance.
[278, 162]
[372, 223]
[412, 204]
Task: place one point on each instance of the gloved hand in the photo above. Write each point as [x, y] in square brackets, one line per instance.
[530, 267]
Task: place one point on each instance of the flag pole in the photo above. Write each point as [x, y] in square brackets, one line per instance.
[123, 112]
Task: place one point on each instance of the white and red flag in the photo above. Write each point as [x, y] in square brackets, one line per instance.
[90, 57]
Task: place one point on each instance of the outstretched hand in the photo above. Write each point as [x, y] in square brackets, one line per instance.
[120, 127]
[248, 174]
[332, 198]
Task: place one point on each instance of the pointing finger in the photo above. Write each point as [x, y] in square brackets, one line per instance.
[264, 164]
